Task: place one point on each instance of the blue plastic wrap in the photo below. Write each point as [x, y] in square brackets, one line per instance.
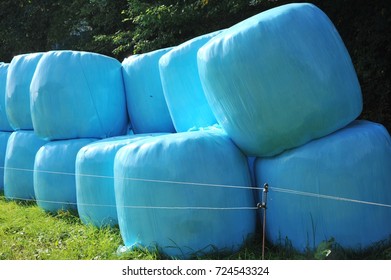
[95, 180]
[147, 107]
[54, 174]
[17, 99]
[344, 168]
[22, 147]
[78, 95]
[280, 79]
[164, 198]
[185, 97]
[4, 136]
[4, 124]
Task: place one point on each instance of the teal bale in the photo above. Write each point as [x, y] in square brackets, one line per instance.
[95, 180]
[17, 99]
[78, 95]
[147, 107]
[4, 136]
[22, 147]
[54, 174]
[185, 194]
[4, 123]
[279, 79]
[182, 87]
[336, 187]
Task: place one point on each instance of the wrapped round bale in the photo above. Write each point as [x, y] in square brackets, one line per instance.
[4, 124]
[17, 99]
[95, 180]
[54, 174]
[4, 136]
[185, 97]
[147, 107]
[336, 187]
[280, 79]
[22, 147]
[78, 95]
[186, 193]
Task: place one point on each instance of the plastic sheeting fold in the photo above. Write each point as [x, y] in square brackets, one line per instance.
[78, 95]
[183, 91]
[95, 180]
[54, 174]
[164, 196]
[147, 107]
[334, 187]
[280, 79]
[4, 136]
[4, 124]
[17, 99]
[19, 160]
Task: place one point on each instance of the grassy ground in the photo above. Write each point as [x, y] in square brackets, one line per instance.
[28, 233]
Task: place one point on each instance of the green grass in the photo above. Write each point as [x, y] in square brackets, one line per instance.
[29, 233]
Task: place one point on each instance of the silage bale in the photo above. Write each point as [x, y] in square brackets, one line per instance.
[17, 99]
[4, 136]
[166, 186]
[183, 91]
[22, 147]
[4, 124]
[54, 174]
[95, 180]
[78, 95]
[280, 79]
[337, 187]
[147, 107]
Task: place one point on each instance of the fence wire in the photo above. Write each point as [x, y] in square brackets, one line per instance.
[193, 184]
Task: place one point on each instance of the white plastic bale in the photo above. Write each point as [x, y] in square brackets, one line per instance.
[183, 91]
[147, 107]
[4, 136]
[280, 79]
[95, 180]
[22, 147]
[184, 194]
[17, 99]
[338, 186]
[78, 95]
[54, 174]
[4, 124]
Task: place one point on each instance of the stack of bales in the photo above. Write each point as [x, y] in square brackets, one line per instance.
[148, 114]
[171, 190]
[76, 98]
[272, 99]
[5, 128]
[23, 144]
[283, 87]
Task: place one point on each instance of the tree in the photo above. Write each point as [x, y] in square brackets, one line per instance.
[41, 25]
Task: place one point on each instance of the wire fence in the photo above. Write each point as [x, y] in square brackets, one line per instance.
[190, 184]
